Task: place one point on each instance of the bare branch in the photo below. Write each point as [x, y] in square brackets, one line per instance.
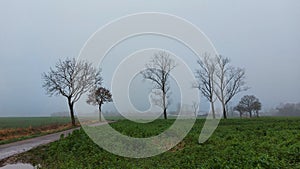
[229, 81]
[158, 72]
[71, 78]
[250, 104]
[205, 76]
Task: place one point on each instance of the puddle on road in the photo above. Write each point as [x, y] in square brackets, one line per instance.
[18, 166]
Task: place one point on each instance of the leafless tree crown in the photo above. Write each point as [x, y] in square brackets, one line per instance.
[229, 81]
[98, 96]
[249, 104]
[158, 71]
[71, 78]
[205, 76]
[216, 77]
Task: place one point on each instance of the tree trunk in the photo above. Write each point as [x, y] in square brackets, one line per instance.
[71, 107]
[250, 113]
[224, 111]
[164, 104]
[165, 113]
[213, 109]
[100, 112]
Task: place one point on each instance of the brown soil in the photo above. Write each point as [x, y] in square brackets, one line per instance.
[15, 133]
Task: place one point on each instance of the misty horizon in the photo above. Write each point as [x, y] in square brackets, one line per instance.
[35, 35]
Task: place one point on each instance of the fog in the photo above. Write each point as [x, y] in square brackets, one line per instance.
[261, 36]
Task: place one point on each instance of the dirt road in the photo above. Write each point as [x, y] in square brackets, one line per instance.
[11, 149]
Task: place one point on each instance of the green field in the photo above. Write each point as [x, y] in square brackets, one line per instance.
[25, 122]
[237, 143]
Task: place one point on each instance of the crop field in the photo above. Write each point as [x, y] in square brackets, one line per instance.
[237, 143]
[19, 128]
[25, 122]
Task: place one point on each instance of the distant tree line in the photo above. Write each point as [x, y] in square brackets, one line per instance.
[60, 114]
[288, 109]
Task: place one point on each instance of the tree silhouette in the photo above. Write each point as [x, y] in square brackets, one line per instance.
[250, 104]
[71, 78]
[229, 81]
[99, 96]
[158, 71]
[205, 75]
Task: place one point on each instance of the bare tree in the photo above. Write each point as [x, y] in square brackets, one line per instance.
[229, 81]
[205, 75]
[250, 104]
[240, 109]
[71, 78]
[195, 107]
[256, 107]
[99, 96]
[158, 71]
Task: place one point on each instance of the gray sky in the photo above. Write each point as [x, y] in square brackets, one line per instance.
[261, 36]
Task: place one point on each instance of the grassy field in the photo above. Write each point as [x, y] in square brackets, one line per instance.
[25, 122]
[237, 143]
[20, 128]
